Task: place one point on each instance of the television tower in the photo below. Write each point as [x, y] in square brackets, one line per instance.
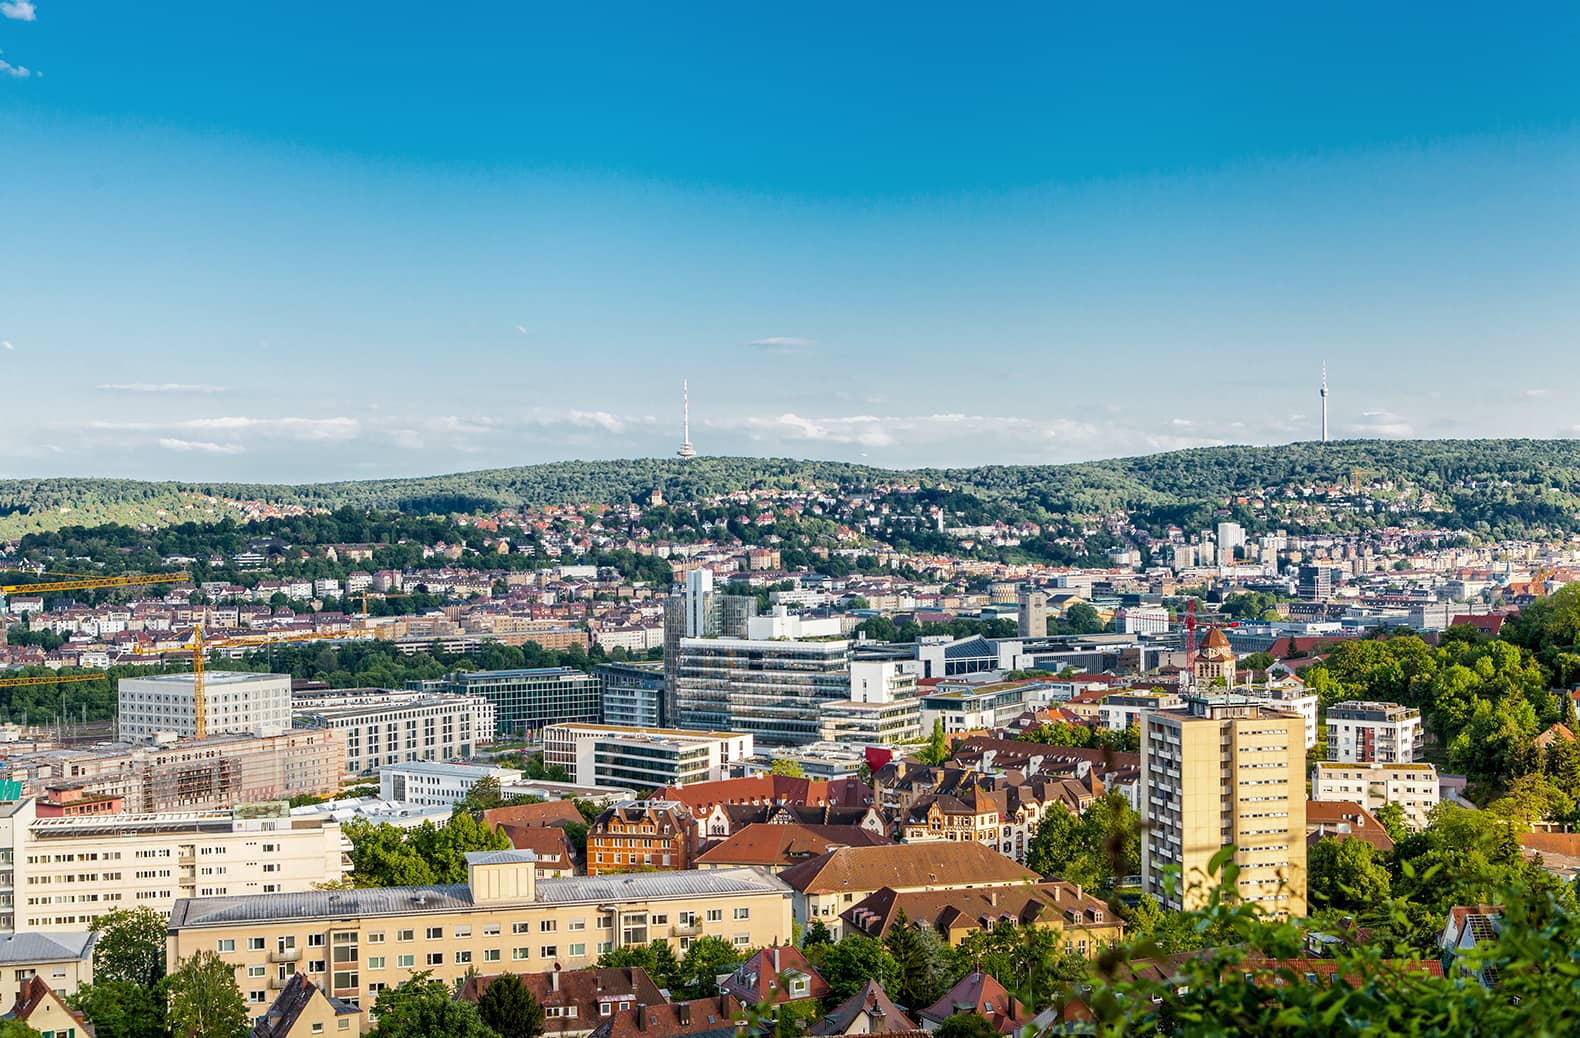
[686, 449]
[1324, 395]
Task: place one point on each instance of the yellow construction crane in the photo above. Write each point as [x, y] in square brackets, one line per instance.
[50, 679]
[71, 582]
[199, 647]
[381, 594]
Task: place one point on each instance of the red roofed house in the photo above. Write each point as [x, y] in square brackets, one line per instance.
[980, 995]
[773, 977]
[40, 1008]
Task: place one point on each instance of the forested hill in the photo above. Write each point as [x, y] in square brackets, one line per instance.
[1473, 481]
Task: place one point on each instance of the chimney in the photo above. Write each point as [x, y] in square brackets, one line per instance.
[1077, 892]
[683, 1014]
[554, 980]
[993, 898]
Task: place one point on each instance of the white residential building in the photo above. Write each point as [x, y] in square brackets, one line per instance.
[235, 704]
[382, 727]
[1121, 710]
[1144, 620]
[1386, 733]
[1414, 787]
[1290, 697]
[63, 873]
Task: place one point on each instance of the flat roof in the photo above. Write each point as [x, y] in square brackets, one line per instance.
[592, 728]
[211, 678]
[311, 905]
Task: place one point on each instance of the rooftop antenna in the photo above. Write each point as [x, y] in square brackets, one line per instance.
[686, 449]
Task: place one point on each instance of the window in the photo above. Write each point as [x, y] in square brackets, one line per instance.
[315, 940]
[490, 954]
[548, 925]
[715, 915]
[225, 944]
[405, 962]
[743, 939]
[520, 927]
[436, 958]
[576, 924]
[255, 944]
[315, 966]
[318, 1027]
[463, 957]
[434, 933]
[577, 951]
[375, 962]
[287, 943]
[375, 938]
[405, 935]
[463, 931]
[604, 946]
[743, 913]
[549, 951]
[255, 997]
[660, 918]
[490, 929]
[257, 971]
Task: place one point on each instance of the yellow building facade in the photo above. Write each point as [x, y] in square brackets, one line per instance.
[1224, 771]
[355, 943]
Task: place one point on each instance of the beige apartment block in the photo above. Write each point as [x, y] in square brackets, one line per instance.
[356, 943]
[63, 873]
[1222, 771]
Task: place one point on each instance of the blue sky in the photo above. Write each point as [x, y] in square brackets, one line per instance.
[349, 240]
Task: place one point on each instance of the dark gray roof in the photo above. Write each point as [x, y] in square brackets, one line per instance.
[970, 648]
[46, 947]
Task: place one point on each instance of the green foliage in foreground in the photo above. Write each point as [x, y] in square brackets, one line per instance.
[1254, 981]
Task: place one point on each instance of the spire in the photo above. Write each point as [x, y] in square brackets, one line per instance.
[686, 449]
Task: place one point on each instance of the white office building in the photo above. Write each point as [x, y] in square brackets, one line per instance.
[425, 783]
[882, 709]
[642, 758]
[380, 727]
[235, 704]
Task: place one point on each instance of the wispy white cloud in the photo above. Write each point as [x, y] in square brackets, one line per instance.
[14, 71]
[160, 387]
[200, 446]
[783, 343]
[1383, 424]
[522, 329]
[304, 429]
[5, 344]
[19, 10]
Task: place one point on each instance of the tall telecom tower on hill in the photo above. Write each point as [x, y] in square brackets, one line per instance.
[686, 449]
[1324, 395]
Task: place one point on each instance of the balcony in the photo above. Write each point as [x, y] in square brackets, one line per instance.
[686, 929]
[286, 955]
[277, 982]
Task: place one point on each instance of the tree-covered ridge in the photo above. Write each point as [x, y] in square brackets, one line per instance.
[1466, 482]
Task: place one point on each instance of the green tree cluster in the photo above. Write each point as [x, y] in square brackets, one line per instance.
[384, 855]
